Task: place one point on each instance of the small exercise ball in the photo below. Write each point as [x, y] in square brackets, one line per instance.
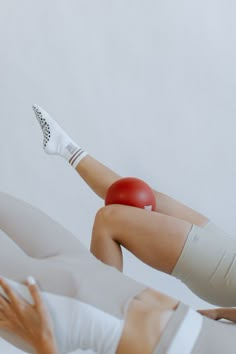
[133, 192]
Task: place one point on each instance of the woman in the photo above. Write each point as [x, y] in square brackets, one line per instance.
[154, 322]
[175, 239]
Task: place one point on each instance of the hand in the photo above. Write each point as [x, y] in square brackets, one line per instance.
[30, 322]
[228, 313]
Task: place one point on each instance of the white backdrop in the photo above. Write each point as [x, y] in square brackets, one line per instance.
[147, 87]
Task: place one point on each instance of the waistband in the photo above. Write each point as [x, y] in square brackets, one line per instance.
[181, 332]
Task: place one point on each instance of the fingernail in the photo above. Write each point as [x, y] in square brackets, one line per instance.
[31, 281]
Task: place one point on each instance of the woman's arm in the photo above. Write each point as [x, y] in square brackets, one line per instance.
[227, 313]
[31, 323]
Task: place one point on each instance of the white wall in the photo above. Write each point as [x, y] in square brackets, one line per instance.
[148, 87]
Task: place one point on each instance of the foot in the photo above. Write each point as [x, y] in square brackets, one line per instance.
[55, 140]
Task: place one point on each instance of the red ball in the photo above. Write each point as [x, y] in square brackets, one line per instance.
[133, 192]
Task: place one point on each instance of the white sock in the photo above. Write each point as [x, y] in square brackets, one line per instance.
[56, 141]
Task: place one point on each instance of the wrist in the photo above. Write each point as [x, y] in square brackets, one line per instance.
[45, 350]
[46, 346]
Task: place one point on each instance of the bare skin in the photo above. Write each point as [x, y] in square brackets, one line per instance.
[143, 327]
[157, 239]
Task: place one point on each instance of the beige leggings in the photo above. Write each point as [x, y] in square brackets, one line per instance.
[207, 265]
[31, 243]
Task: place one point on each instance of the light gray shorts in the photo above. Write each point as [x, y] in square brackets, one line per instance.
[207, 265]
[197, 335]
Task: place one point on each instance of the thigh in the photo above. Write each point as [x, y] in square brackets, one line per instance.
[17, 265]
[35, 232]
[155, 238]
[169, 206]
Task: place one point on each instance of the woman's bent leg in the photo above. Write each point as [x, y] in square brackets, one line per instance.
[99, 178]
[203, 258]
[156, 239]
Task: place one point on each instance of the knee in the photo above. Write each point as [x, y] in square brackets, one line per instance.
[106, 214]
[103, 223]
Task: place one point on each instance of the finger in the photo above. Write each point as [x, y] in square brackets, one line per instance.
[209, 313]
[201, 312]
[204, 312]
[4, 304]
[5, 309]
[35, 293]
[3, 301]
[10, 293]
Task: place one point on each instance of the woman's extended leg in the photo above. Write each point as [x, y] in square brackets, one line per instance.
[98, 176]
[61, 260]
[58, 259]
[156, 239]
